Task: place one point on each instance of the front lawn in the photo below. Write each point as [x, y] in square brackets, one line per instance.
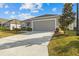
[64, 45]
[5, 34]
[8, 33]
[71, 32]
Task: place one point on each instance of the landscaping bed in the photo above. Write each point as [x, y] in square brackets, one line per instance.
[64, 45]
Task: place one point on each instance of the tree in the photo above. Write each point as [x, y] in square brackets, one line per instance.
[77, 19]
[67, 17]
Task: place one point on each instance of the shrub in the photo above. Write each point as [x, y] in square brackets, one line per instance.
[2, 28]
[24, 28]
[57, 29]
[29, 29]
[16, 29]
[75, 28]
[58, 32]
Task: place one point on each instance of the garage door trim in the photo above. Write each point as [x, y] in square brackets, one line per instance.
[43, 20]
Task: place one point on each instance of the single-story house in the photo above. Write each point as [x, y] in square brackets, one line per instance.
[47, 22]
[12, 24]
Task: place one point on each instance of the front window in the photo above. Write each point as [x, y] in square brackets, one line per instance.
[28, 24]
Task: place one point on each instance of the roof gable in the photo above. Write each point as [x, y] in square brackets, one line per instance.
[14, 21]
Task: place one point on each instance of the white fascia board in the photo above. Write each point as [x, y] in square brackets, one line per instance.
[45, 19]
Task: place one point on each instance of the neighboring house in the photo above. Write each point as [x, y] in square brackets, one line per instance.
[2, 21]
[26, 23]
[73, 25]
[47, 22]
[12, 24]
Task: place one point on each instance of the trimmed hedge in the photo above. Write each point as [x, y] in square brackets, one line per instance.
[26, 29]
[23, 28]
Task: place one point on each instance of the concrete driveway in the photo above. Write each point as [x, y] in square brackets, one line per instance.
[26, 44]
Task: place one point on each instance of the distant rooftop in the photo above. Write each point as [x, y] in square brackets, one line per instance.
[13, 21]
[3, 20]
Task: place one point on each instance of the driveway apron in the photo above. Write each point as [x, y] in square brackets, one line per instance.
[26, 44]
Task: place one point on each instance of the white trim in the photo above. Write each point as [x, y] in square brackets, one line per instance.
[32, 25]
[14, 26]
[46, 19]
[55, 24]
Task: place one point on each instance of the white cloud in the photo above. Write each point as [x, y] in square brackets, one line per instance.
[13, 17]
[26, 6]
[38, 5]
[21, 16]
[6, 12]
[33, 7]
[2, 5]
[34, 11]
[24, 16]
[6, 6]
[9, 12]
[13, 12]
[54, 9]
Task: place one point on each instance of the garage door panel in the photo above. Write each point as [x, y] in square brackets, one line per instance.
[44, 25]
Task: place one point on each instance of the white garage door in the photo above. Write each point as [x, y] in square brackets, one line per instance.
[48, 25]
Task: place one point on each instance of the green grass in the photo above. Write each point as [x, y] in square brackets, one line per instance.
[64, 45]
[71, 32]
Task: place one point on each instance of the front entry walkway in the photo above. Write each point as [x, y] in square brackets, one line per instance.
[26, 44]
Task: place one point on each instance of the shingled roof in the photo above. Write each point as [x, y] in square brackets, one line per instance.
[46, 16]
[14, 21]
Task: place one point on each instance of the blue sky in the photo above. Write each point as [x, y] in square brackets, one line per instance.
[23, 11]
